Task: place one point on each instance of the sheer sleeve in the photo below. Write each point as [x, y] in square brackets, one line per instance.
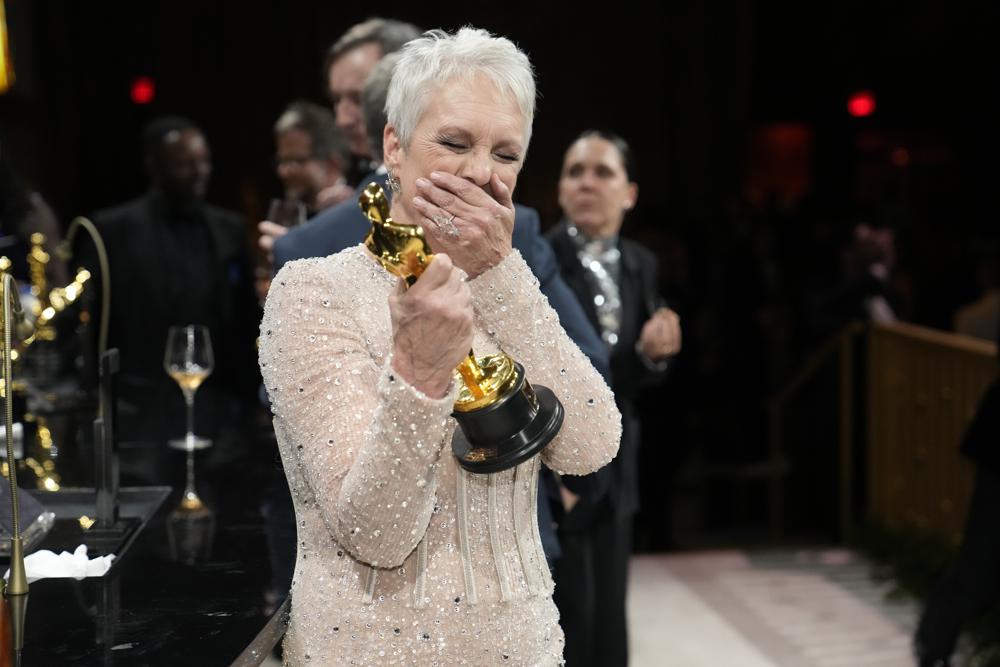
[364, 442]
[518, 317]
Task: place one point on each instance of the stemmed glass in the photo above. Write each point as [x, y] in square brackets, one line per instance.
[286, 212]
[188, 360]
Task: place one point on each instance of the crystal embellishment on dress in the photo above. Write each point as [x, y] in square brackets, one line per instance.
[366, 478]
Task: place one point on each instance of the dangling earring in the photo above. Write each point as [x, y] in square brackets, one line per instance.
[391, 181]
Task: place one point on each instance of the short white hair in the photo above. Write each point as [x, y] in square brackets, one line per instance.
[437, 57]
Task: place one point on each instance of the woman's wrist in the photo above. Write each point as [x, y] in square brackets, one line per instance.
[433, 384]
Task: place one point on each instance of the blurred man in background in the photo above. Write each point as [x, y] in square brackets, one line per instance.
[174, 259]
[348, 64]
[311, 157]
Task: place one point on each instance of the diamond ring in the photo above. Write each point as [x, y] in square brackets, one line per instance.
[448, 224]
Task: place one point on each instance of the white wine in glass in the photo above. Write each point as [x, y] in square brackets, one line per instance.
[189, 377]
[188, 360]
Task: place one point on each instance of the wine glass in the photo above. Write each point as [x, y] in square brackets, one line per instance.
[286, 212]
[188, 360]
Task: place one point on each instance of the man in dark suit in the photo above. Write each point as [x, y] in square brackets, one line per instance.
[616, 281]
[176, 260]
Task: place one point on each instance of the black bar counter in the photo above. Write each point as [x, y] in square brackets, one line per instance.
[185, 589]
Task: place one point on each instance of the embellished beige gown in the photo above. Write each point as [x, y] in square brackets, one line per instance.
[403, 557]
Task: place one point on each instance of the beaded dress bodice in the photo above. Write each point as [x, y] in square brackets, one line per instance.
[403, 557]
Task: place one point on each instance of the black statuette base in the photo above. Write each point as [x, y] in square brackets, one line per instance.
[509, 432]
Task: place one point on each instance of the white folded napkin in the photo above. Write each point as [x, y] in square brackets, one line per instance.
[46, 564]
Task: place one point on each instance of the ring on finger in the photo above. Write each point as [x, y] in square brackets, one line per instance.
[448, 224]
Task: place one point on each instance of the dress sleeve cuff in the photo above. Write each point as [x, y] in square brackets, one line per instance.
[407, 411]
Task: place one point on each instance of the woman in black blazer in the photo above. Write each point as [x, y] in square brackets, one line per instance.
[616, 281]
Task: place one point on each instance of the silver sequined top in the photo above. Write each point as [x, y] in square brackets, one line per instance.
[403, 557]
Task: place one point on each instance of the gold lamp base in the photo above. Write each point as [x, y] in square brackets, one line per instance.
[17, 583]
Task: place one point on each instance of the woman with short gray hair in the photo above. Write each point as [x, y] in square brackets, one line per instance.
[404, 557]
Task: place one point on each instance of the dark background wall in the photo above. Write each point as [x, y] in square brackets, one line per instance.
[751, 170]
[685, 83]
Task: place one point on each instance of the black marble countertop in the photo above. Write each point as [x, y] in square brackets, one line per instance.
[187, 589]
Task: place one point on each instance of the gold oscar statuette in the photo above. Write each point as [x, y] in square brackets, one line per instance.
[504, 420]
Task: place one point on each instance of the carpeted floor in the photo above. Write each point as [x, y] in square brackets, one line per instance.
[819, 608]
[815, 608]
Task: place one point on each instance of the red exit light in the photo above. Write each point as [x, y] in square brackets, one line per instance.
[861, 104]
[143, 90]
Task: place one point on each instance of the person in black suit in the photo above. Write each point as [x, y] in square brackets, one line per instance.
[616, 281]
[175, 260]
